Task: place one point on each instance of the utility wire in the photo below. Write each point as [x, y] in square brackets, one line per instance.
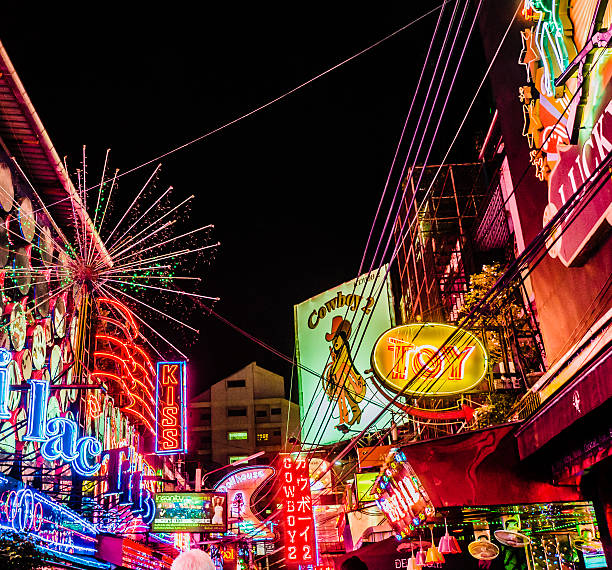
[272, 101]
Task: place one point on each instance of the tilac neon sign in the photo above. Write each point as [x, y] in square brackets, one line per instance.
[429, 359]
[58, 437]
[170, 412]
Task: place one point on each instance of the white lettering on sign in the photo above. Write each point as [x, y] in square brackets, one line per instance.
[571, 243]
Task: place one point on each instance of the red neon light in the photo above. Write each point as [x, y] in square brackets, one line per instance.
[170, 420]
[228, 553]
[298, 518]
[125, 312]
[125, 365]
[135, 400]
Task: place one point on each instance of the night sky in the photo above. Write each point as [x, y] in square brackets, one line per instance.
[292, 190]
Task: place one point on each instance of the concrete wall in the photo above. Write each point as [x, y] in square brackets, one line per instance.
[252, 401]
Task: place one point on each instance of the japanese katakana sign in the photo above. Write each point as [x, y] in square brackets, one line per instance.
[297, 516]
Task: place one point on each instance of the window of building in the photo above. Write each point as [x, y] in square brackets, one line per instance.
[233, 412]
[264, 436]
[233, 458]
[236, 383]
[205, 416]
[275, 411]
[261, 413]
[277, 432]
[237, 435]
[205, 440]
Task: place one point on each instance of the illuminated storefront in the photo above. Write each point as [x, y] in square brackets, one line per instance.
[77, 387]
[554, 116]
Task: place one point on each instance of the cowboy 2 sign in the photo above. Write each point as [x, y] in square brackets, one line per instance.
[335, 332]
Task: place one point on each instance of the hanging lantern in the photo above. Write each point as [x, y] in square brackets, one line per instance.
[421, 556]
[434, 557]
[448, 544]
[412, 563]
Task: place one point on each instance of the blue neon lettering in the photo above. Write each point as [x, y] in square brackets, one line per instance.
[37, 410]
[149, 504]
[61, 440]
[88, 449]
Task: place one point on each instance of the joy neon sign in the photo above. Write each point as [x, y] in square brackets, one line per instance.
[429, 359]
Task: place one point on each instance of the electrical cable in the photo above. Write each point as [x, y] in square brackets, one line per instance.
[442, 50]
[498, 50]
[435, 133]
[272, 101]
[568, 208]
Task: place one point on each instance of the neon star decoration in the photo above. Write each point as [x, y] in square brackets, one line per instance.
[140, 256]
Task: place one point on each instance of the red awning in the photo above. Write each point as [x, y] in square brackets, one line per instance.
[479, 468]
[589, 390]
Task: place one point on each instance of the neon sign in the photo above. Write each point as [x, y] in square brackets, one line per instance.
[401, 497]
[5, 358]
[241, 485]
[59, 529]
[298, 518]
[122, 364]
[572, 241]
[170, 412]
[429, 359]
[57, 436]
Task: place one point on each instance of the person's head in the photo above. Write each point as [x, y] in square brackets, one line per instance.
[193, 560]
[354, 563]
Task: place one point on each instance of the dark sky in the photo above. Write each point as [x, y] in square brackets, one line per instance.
[293, 190]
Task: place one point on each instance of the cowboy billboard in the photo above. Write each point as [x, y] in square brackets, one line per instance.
[335, 332]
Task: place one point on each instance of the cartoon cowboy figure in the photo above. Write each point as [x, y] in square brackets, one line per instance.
[341, 381]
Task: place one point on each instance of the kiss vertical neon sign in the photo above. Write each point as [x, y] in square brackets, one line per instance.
[298, 517]
[170, 412]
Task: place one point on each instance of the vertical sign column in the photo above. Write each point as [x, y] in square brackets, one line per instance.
[170, 413]
[298, 519]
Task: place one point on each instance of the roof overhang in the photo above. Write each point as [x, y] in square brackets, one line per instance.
[26, 140]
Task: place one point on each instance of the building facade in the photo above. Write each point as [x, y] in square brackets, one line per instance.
[77, 397]
[240, 415]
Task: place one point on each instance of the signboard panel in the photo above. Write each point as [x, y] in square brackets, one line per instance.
[372, 456]
[170, 408]
[365, 487]
[335, 333]
[429, 359]
[402, 497]
[241, 486]
[297, 511]
[190, 512]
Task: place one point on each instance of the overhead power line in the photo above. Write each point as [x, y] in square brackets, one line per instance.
[268, 103]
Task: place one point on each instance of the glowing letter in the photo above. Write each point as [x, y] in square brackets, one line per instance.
[60, 441]
[88, 449]
[5, 358]
[457, 360]
[37, 410]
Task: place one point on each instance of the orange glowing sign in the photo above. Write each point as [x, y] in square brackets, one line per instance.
[170, 416]
[429, 359]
